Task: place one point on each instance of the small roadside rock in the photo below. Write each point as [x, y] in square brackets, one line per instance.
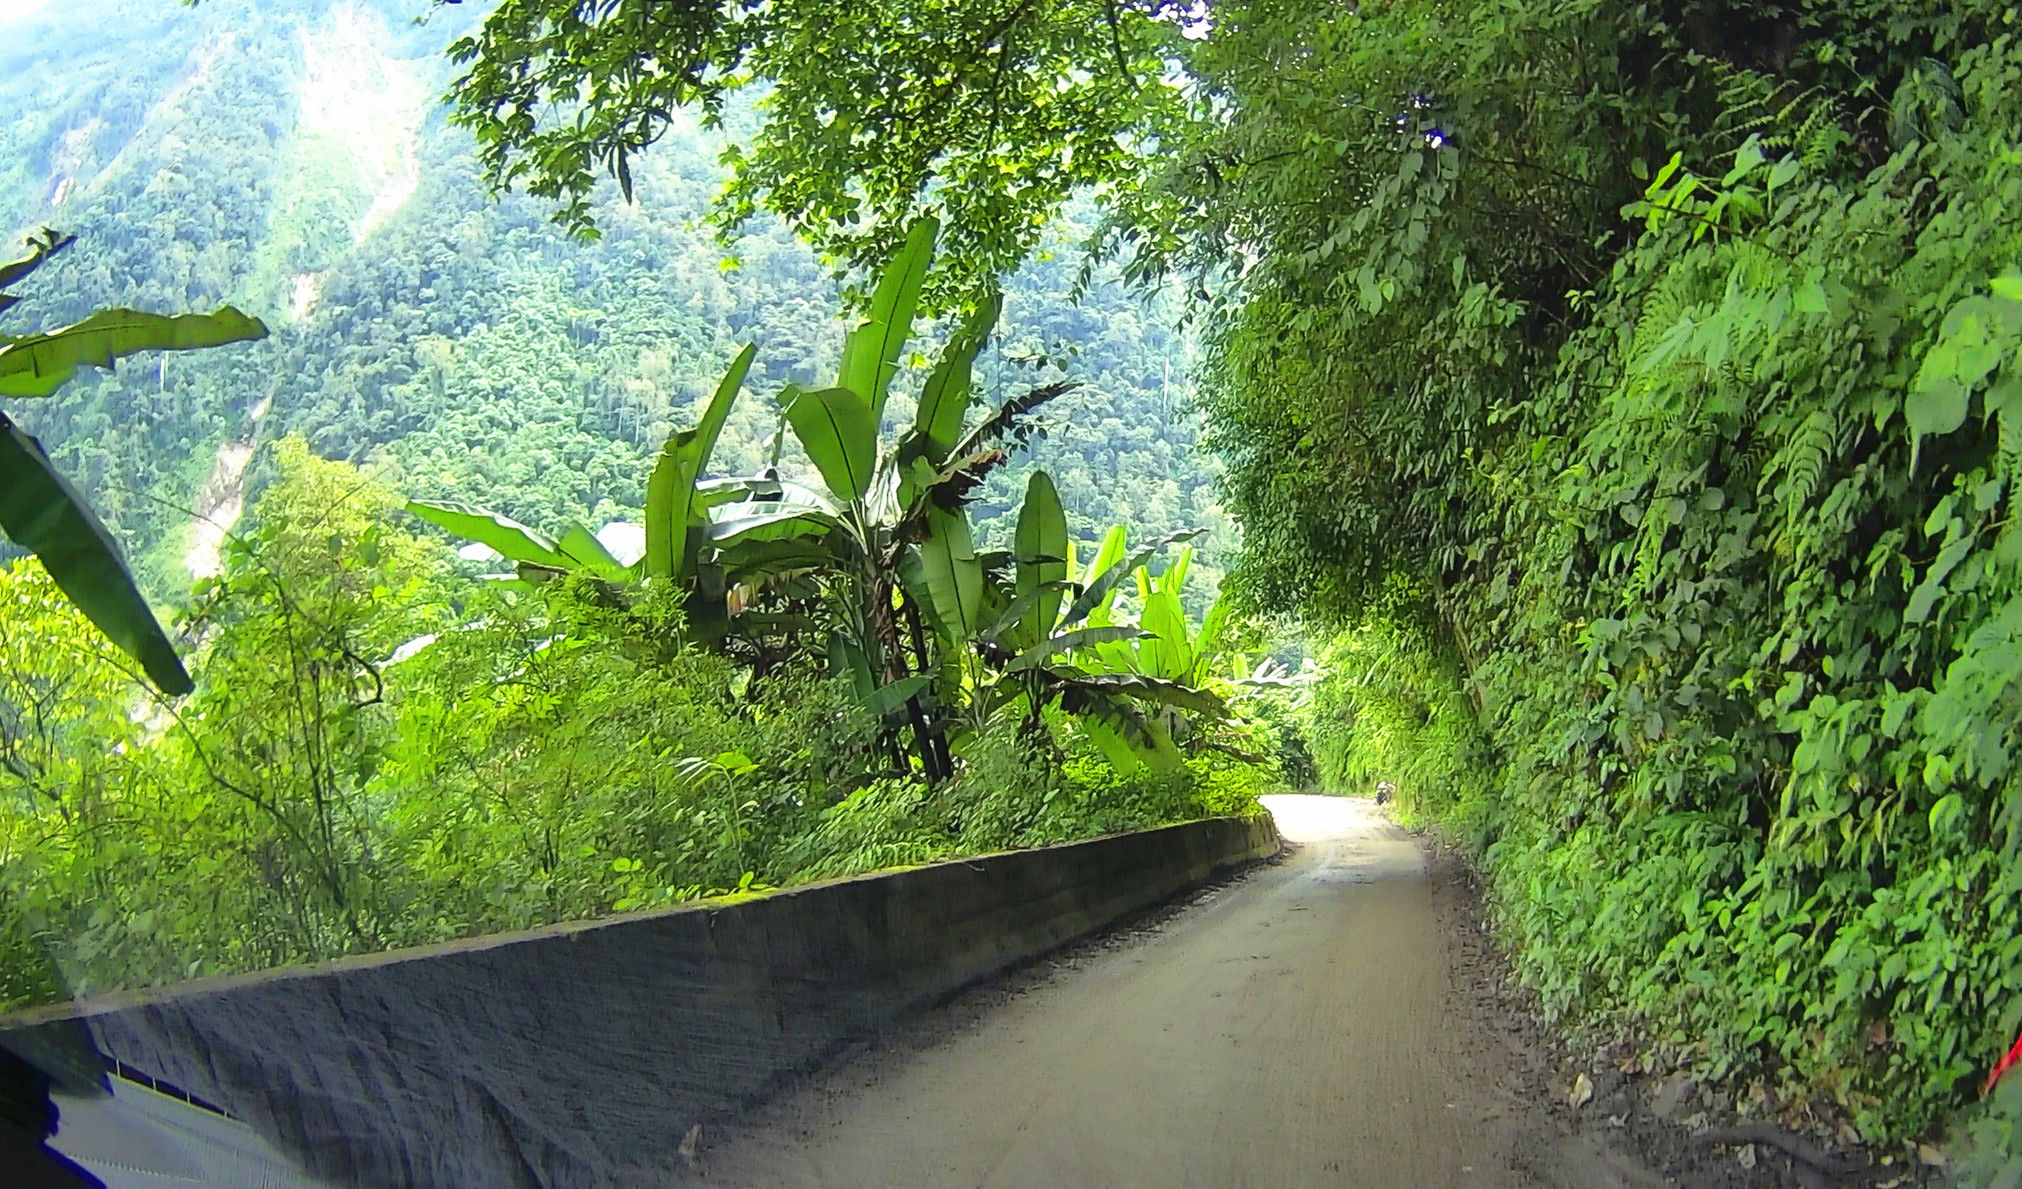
[1674, 1098]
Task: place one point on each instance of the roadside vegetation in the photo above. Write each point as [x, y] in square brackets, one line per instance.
[1626, 399]
[800, 678]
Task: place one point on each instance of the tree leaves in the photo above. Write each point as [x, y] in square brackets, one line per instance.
[1938, 397]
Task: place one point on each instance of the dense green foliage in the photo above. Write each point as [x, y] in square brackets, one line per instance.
[1640, 382]
[381, 753]
[988, 114]
[1638, 385]
[1661, 394]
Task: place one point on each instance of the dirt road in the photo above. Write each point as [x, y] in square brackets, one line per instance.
[1296, 1028]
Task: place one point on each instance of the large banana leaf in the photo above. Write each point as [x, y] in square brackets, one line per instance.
[1208, 645]
[839, 431]
[1108, 578]
[513, 540]
[756, 559]
[39, 364]
[1167, 653]
[952, 574]
[45, 515]
[889, 701]
[1107, 554]
[848, 659]
[870, 355]
[1174, 579]
[581, 546]
[944, 400]
[1053, 646]
[778, 522]
[670, 490]
[761, 491]
[1040, 544]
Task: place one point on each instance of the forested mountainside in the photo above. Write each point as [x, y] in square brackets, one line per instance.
[294, 161]
[344, 734]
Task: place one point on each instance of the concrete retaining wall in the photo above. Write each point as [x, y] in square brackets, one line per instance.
[578, 1055]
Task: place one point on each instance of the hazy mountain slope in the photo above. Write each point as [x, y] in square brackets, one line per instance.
[291, 159]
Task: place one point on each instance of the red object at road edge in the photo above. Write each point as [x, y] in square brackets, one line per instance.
[2014, 1055]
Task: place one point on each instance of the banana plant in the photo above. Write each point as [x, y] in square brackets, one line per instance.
[881, 529]
[887, 530]
[1048, 636]
[677, 505]
[1168, 649]
[39, 509]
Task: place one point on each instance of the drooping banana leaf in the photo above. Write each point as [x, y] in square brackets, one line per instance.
[1067, 642]
[870, 355]
[511, 539]
[41, 246]
[1102, 713]
[1167, 653]
[1008, 426]
[779, 522]
[751, 560]
[944, 400]
[1153, 689]
[582, 547]
[1113, 746]
[39, 364]
[951, 574]
[945, 490]
[839, 431]
[1040, 544]
[44, 514]
[671, 489]
[761, 491]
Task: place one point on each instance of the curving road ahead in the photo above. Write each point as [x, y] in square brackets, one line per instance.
[1295, 1028]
